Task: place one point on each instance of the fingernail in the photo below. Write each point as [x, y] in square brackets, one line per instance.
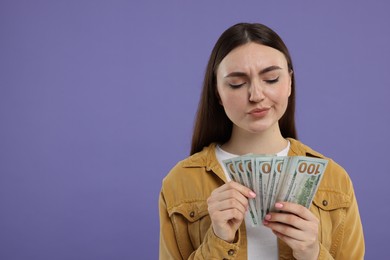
[278, 205]
[267, 217]
[265, 222]
[252, 194]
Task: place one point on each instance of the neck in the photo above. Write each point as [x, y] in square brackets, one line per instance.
[242, 142]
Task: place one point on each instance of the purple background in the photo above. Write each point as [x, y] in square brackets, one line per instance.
[97, 100]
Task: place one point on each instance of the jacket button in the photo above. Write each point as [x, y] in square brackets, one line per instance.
[325, 203]
[192, 214]
[231, 252]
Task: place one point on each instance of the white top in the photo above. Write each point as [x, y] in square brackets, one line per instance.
[262, 243]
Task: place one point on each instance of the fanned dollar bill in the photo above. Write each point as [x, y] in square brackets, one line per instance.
[301, 180]
[276, 178]
[263, 170]
[237, 173]
[279, 166]
[248, 166]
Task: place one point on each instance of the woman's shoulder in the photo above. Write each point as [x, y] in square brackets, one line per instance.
[191, 180]
[299, 148]
[191, 166]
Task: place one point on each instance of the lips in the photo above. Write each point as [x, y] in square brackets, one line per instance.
[259, 112]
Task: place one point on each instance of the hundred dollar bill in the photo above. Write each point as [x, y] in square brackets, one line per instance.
[263, 169]
[302, 179]
[246, 181]
[238, 176]
[250, 168]
[279, 166]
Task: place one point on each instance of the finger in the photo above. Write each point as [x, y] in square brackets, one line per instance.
[296, 209]
[229, 215]
[286, 230]
[292, 225]
[290, 241]
[229, 203]
[291, 221]
[239, 187]
[286, 219]
[232, 193]
[231, 190]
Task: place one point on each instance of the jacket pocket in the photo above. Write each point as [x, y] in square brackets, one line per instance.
[191, 220]
[332, 207]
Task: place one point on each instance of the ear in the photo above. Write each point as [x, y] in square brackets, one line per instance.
[218, 96]
[290, 82]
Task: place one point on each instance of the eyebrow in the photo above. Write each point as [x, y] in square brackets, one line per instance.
[243, 74]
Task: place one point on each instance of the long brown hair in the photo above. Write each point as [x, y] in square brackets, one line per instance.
[211, 122]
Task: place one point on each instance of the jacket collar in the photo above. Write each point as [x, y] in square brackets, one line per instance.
[299, 149]
[206, 158]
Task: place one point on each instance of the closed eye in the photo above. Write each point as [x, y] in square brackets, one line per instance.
[272, 81]
[235, 86]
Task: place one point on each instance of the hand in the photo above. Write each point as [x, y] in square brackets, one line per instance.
[227, 206]
[297, 227]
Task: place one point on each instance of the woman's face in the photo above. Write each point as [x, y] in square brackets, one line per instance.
[254, 83]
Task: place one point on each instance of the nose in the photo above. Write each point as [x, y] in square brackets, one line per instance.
[256, 93]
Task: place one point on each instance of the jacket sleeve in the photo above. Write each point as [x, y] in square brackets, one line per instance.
[352, 246]
[168, 245]
[324, 254]
[174, 242]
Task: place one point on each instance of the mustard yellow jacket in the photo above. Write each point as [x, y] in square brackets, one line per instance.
[185, 225]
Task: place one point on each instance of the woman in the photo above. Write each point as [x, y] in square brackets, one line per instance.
[247, 106]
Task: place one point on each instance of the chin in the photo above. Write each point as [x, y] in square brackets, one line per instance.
[259, 128]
